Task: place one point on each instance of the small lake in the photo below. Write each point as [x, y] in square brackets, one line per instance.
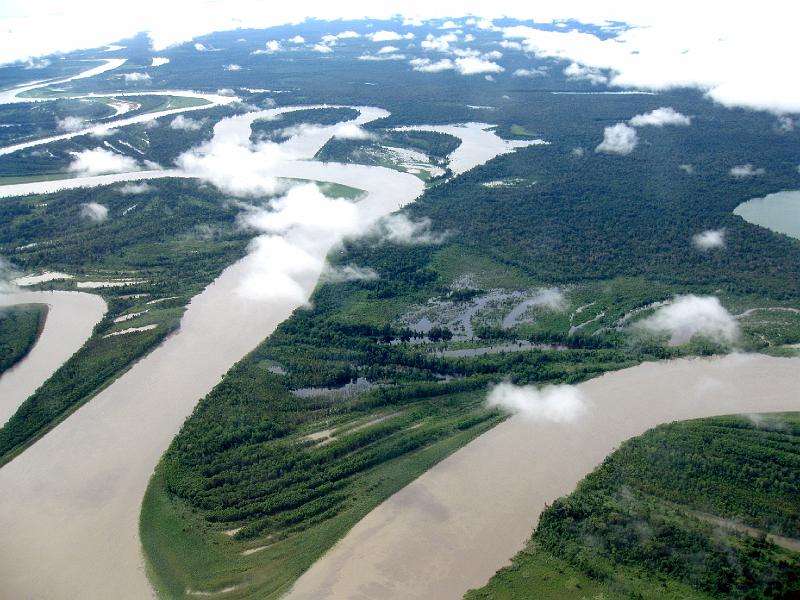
[778, 212]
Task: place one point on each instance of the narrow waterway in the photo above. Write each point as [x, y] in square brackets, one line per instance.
[70, 319]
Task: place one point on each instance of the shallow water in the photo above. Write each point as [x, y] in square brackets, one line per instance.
[452, 528]
[70, 320]
[779, 212]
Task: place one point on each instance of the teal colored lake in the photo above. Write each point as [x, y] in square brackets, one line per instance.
[779, 212]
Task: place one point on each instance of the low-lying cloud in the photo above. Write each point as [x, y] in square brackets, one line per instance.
[745, 171]
[183, 123]
[94, 212]
[136, 77]
[660, 117]
[100, 161]
[131, 189]
[689, 316]
[618, 139]
[399, 229]
[70, 124]
[344, 273]
[709, 239]
[550, 404]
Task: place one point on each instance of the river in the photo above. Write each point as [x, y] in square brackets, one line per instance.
[452, 528]
[70, 319]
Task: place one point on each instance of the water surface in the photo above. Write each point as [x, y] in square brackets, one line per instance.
[779, 212]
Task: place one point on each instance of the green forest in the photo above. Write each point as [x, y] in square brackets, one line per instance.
[20, 326]
[663, 515]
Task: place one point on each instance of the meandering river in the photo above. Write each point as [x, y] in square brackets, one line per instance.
[452, 528]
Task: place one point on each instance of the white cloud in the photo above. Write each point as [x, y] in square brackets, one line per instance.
[94, 212]
[348, 273]
[351, 131]
[158, 61]
[618, 139]
[233, 67]
[235, 169]
[381, 57]
[131, 189]
[33, 63]
[298, 39]
[134, 77]
[70, 124]
[659, 117]
[687, 168]
[538, 72]
[270, 47]
[425, 65]
[550, 404]
[185, 123]
[448, 25]
[200, 47]
[509, 45]
[688, 316]
[388, 36]
[322, 48]
[388, 50]
[399, 229]
[346, 35]
[709, 239]
[578, 152]
[473, 66]
[100, 161]
[440, 43]
[744, 171]
[579, 72]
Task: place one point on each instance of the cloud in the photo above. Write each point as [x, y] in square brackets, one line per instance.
[551, 298]
[233, 67]
[709, 239]
[473, 66]
[344, 273]
[298, 39]
[100, 161]
[736, 58]
[688, 316]
[388, 50]
[578, 72]
[440, 43]
[185, 124]
[351, 131]
[744, 171]
[399, 229]
[537, 72]
[381, 57]
[158, 61]
[70, 124]
[200, 47]
[130, 189]
[550, 404]
[687, 168]
[660, 117]
[297, 230]
[346, 35]
[618, 139]
[94, 212]
[235, 169]
[425, 65]
[578, 152]
[322, 48]
[136, 77]
[509, 45]
[388, 36]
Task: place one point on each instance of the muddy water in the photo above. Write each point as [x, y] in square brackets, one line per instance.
[70, 528]
[452, 528]
[478, 143]
[779, 212]
[70, 319]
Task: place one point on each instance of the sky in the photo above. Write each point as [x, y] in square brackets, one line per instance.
[741, 54]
